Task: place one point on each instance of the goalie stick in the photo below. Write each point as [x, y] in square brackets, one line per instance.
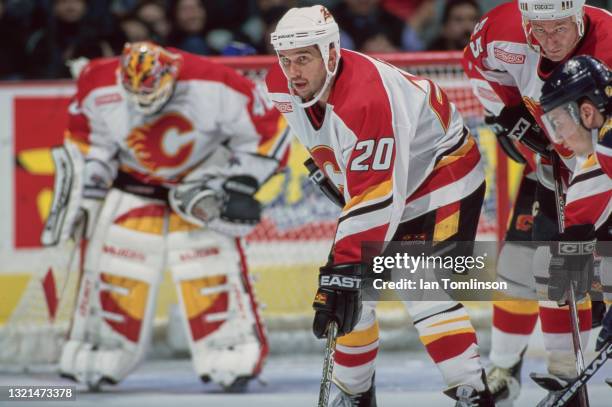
[328, 364]
[564, 396]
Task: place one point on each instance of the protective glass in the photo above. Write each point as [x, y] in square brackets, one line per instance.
[562, 122]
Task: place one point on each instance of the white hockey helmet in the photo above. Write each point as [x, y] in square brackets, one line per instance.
[306, 26]
[547, 10]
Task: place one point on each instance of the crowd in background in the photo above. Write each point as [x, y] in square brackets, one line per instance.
[38, 37]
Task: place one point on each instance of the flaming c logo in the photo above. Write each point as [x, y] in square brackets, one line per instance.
[162, 143]
[326, 160]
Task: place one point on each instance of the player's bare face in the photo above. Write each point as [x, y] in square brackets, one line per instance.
[556, 37]
[305, 69]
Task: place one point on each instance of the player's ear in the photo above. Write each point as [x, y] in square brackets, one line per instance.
[333, 58]
[587, 114]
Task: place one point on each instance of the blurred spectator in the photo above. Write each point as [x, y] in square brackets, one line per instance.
[227, 15]
[123, 8]
[188, 22]
[270, 18]
[458, 21]
[402, 9]
[134, 29]
[69, 34]
[153, 12]
[11, 45]
[367, 27]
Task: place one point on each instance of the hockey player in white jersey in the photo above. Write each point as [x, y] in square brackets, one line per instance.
[392, 151]
[513, 49]
[163, 155]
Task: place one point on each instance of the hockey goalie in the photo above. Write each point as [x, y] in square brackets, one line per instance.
[162, 158]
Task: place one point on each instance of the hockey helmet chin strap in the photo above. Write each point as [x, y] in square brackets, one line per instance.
[329, 75]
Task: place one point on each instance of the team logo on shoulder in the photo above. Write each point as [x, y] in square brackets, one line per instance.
[508, 57]
[283, 107]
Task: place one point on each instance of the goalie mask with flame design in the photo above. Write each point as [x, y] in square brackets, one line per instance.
[148, 74]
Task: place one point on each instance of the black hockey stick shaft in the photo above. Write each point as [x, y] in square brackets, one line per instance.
[328, 364]
[571, 295]
[566, 395]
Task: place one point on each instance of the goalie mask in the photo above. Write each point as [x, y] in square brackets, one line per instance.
[580, 78]
[304, 27]
[550, 10]
[148, 74]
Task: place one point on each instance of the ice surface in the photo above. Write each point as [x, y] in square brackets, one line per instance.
[403, 379]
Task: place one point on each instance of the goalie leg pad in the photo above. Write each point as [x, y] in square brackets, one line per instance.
[224, 330]
[114, 314]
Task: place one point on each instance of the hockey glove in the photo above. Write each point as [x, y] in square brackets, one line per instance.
[326, 186]
[338, 298]
[515, 123]
[572, 261]
[240, 211]
[231, 210]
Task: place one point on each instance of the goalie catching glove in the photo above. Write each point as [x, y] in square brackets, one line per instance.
[338, 298]
[515, 123]
[572, 261]
[230, 209]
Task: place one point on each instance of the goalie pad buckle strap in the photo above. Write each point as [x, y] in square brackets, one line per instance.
[67, 195]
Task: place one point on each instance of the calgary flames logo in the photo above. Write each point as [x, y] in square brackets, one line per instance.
[326, 160]
[163, 143]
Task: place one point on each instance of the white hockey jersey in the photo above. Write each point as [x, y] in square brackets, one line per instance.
[505, 71]
[391, 142]
[212, 106]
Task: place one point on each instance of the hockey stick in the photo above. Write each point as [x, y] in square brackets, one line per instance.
[571, 294]
[565, 395]
[328, 363]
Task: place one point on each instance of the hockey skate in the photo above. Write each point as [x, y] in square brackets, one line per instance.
[505, 384]
[555, 385]
[609, 381]
[365, 399]
[467, 396]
